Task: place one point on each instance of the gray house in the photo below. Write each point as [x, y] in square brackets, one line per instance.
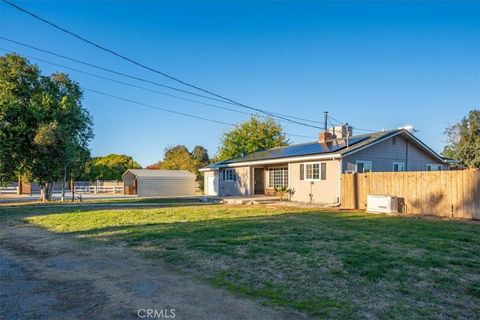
[313, 170]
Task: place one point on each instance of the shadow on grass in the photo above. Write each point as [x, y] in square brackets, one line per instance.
[369, 246]
[327, 264]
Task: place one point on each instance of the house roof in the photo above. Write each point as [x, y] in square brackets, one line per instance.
[145, 173]
[336, 147]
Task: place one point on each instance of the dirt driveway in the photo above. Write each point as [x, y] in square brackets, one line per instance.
[52, 276]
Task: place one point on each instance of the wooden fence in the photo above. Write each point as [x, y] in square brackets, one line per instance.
[453, 193]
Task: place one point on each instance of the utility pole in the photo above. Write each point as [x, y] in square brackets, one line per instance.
[325, 116]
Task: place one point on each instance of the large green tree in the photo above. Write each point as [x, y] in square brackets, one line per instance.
[178, 158]
[463, 140]
[252, 135]
[109, 167]
[44, 129]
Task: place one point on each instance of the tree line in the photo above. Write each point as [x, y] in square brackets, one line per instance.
[45, 132]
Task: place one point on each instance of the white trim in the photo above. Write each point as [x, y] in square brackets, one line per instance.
[340, 181]
[216, 186]
[233, 175]
[425, 147]
[207, 169]
[289, 176]
[305, 171]
[325, 157]
[305, 164]
[273, 161]
[363, 161]
[264, 179]
[397, 163]
[267, 171]
[433, 164]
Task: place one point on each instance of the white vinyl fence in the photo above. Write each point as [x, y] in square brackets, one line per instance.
[97, 187]
[8, 190]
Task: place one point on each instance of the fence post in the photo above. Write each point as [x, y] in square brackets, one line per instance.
[95, 187]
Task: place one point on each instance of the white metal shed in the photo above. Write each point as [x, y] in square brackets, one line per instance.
[164, 183]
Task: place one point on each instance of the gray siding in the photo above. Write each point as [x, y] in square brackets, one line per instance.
[385, 153]
[166, 186]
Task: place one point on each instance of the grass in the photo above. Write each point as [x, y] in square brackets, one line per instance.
[330, 265]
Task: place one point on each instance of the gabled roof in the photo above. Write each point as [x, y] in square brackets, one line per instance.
[145, 173]
[335, 148]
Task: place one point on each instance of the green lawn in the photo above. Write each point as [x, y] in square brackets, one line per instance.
[331, 265]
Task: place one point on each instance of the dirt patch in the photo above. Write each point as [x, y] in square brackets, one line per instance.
[45, 275]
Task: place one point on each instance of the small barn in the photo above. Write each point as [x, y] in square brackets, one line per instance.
[158, 183]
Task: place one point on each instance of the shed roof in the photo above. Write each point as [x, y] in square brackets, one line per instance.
[146, 173]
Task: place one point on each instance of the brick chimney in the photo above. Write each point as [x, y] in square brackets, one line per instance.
[324, 136]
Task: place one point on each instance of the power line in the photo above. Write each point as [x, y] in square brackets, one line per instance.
[136, 78]
[108, 70]
[150, 106]
[356, 128]
[130, 84]
[148, 89]
[339, 122]
[156, 107]
[141, 65]
[172, 111]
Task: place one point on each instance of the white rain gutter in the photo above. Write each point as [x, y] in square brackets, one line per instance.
[273, 161]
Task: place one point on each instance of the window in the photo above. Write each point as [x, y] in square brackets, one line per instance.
[229, 175]
[394, 140]
[363, 166]
[434, 167]
[277, 177]
[314, 171]
[398, 166]
[324, 171]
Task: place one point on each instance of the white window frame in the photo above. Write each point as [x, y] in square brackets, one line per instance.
[430, 165]
[306, 164]
[228, 175]
[399, 163]
[285, 176]
[363, 161]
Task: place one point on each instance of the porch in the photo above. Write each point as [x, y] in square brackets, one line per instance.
[246, 181]
[265, 179]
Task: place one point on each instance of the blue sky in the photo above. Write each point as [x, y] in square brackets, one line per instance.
[373, 64]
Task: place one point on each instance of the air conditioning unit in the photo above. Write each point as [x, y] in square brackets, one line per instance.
[382, 204]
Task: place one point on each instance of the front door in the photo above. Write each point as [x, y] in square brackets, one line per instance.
[259, 181]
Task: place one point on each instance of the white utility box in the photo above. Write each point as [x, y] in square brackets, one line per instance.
[382, 204]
